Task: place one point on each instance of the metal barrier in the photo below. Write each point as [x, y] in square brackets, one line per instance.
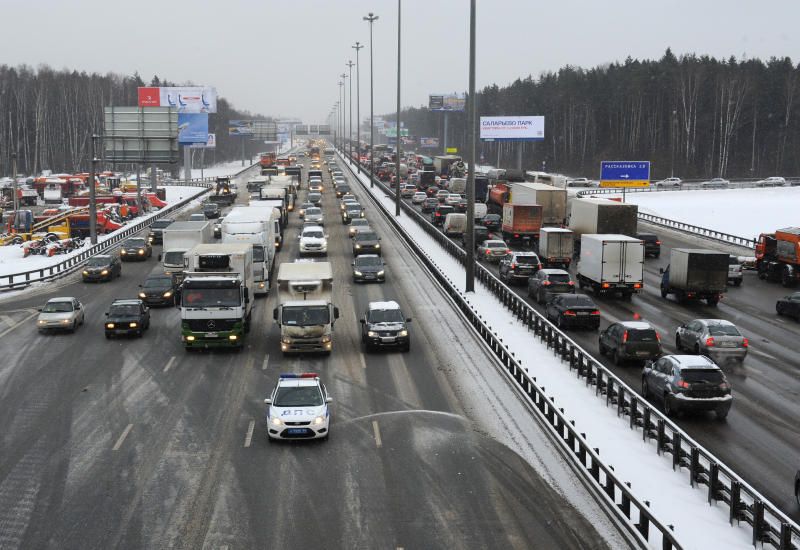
[770, 526]
[72, 263]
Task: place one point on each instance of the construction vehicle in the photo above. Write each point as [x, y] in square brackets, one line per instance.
[223, 194]
[778, 256]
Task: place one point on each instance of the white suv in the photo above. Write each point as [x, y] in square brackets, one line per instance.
[313, 240]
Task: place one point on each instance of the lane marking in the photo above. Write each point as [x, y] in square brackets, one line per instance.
[18, 323]
[249, 364]
[7, 320]
[169, 363]
[363, 361]
[377, 431]
[122, 437]
[249, 437]
[265, 364]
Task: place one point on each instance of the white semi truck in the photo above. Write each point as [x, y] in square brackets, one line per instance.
[215, 296]
[178, 238]
[253, 225]
[305, 313]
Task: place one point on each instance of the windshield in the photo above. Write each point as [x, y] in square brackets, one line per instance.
[313, 211]
[160, 282]
[98, 262]
[307, 205]
[558, 278]
[386, 316]
[304, 316]
[160, 224]
[211, 297]
[527, 260]
[490, 244]
[174, 257]
[258, 253]
[359, 222]
[362, 261]
[646, 335]
[313, 233]
[723, 330]
[133, 243]
[492, 217]
[708, 376]
[733, 260]
[366, 236]
[353, 207]
[303, 396]
[124, 311]
[57, 307]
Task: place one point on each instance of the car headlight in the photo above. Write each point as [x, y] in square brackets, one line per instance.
[357, 273]
[85, 272]
[122, 252]
[358, 246]
[326, 338]
[403, 332]
[110, 325]
[104, 272]
[133, 325]
[232, 337]
[286, 340]
[275, 421]
[318, 421]
[167, 294]
[141, 251]
[42, 322]
[65, 321]
[380, 273]
[372, 333]
[142, 295]
[377, 246]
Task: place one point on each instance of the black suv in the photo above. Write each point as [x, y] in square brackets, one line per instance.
[687, 383]
[158, 290]
[211, 210]
[366, 242]
[519, 265]
[102, 267]
[440, 213]
[342, 189]
[630, 340]
[383, 325]
[156, 235]
[135, 249]
[127, 317]
[573, 310]
[652, 245]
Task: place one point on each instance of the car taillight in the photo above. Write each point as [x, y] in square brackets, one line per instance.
[508, 251]
[570, 313]
[637, 285]
[438, 214]
[710, 342]
[539, 266]
[658, 337]
[724, 386]
[658, 242]
[745, 343]
[546, 283]
[514, 266]
[683, 384]
[596, 312]
[571, 283]
[625, 337]
[605, 285]
[488, 251]
[516, 236]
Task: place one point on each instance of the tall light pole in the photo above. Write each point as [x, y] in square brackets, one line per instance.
[343, 76]
[469, 284]
[341, 115]
[371, 18]
[350, 65]
[397, 164]
[358, 107]
[14, 175]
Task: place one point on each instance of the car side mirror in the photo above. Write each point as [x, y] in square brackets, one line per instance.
[362, 321]
[268, 401]
[275, 314]
[335, 312]
[661, 270]
[329, 400]
[78, 306]
[159, 257]
[106, 313]
[408, 320]
[39, 309]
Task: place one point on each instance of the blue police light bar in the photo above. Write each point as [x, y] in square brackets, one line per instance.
[301, 375]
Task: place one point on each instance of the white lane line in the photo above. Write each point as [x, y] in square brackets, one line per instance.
[249, 437]
[169, 363]
[7, 320]
[122, 437]
[363, 361]
[265, 364]
[249, 364]
[18, 323]
[377, 431]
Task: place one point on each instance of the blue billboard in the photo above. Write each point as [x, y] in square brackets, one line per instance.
[192, 128]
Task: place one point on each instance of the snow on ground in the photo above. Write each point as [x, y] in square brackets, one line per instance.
[12, 260]
[741, 212]
[222, 169]
[672, 499]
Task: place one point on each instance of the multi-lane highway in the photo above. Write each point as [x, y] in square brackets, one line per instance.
[133, 443]
[760, 439]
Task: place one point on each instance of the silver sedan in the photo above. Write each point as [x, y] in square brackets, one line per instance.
[717, 339]
[64, 313]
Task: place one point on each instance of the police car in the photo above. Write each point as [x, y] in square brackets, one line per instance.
[298, 408]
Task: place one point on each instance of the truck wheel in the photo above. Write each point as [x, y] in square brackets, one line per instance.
[645, 389]
[678, 343]
[722, 414]
[616, 358]
[668, 409]
[664, 293]
[712, 301]
[737, 282]
[786, 278]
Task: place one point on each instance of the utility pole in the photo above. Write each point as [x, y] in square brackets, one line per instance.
[350, 65]
[14, 175]
[371, 18]
[469, 284]
[93, 194]
[397, 170]
[358, 108]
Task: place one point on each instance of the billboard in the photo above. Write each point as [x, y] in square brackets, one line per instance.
[512, 128]
[192, 128]
[140, 134]
[186, 99]
[301, 130]
[211, 143]
[429, 142]
[266, 130]
[392, 132]
[447, 102]
[324, 130]
[240, 128]
[625, 173]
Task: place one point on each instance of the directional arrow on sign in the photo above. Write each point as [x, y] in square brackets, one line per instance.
[626, 176]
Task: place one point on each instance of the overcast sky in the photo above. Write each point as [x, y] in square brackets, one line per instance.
[283, 58]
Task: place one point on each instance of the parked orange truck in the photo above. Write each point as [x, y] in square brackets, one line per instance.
[778, 256]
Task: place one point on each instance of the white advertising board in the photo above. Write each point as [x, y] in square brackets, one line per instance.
[512, 128]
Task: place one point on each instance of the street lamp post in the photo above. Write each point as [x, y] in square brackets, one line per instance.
[358, 108]
[14, 175]
[343, 76]
[371, 18]
[469, 284]
[350, 65]
[397, 164]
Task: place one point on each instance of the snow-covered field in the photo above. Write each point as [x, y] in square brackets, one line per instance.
[740, 212]
[672, 499]
[223, 169]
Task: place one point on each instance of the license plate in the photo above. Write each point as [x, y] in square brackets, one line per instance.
[297, 431]
[369, 276]
[583, 313]
[212, 334]
[727, 344]
[388, 339]
[642, 353]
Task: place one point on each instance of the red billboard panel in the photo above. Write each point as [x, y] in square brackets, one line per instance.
[149, 97]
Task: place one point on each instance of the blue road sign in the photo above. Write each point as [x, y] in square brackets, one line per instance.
[625, 170]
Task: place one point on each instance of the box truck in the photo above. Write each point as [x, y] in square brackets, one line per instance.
[611, 264]
[695, 274]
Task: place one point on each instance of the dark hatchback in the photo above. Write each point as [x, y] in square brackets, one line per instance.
[126, 317]
[156, 235]
[630, 341]
[573, 311]
[366, 242]
[211, 210]
[102, 267]
[652, 244]
[440, 213]
[686, 383]
[789, 306]
[385, 326]
[158, 290]
[368, 268]
[342, 190]
[491, 222]
[429, 204]
[135, 249]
